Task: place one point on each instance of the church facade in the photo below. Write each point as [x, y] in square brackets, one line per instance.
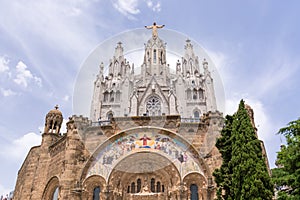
[150, 135]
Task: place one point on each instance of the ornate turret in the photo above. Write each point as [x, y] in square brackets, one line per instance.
[53, 121]
[190, 62]
[154, 58]
[118, 66]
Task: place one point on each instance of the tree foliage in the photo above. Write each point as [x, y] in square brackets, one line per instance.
[224, 173]
[243, 174]
[288, 160]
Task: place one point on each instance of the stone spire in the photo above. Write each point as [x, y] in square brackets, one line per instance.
[190, 62]
[118, 63]
[154, 58]
[119, 50]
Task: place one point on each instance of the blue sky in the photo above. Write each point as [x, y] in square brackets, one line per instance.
[255, 46]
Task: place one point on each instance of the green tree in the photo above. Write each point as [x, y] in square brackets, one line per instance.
[288, 160]
[246, 175]
[224, 173]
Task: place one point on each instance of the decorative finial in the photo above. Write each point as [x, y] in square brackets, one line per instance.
[154, 28]
[56, 107]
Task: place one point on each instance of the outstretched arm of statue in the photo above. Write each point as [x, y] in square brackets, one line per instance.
[148, 27]
[160, 26]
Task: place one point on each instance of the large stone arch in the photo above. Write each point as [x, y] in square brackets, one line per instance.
[143, 167]
[50, 188]
[126, 133]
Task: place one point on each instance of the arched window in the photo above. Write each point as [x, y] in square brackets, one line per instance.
[55, 194]
[188, 94]
[111, 96]
[152, 185]
[153, 106]
[105, 98]
[154, 56]
[195, 94]
[158, 189]
[110, 115]
[96, 193]
[133, 187]
[196, 115]
[201, 94]
[194, 192]
[139, 185]
[128, 189]
[191, 63]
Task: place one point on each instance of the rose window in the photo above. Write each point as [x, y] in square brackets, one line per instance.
[153, 106]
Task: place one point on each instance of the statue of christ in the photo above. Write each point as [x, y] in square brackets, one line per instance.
[154, 28]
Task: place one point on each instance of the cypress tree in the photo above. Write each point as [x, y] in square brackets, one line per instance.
[245, 174]
[224, 174]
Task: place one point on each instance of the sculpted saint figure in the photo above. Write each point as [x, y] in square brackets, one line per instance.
[154, 28]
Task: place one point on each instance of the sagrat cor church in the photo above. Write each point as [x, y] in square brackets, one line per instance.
[150, 135]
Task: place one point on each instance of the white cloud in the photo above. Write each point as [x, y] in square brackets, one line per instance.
[24, 76]
[18, 148]
[7, 92]
[277, 73]
[154, 6]
[127, 7]
[66, 98]
[4, 64]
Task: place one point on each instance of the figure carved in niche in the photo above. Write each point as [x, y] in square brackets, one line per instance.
[154, 28]
[145, 188]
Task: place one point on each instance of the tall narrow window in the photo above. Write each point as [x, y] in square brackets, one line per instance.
[194, 192]
[110, 115]
[111, 96]
[201, 94]
[196, 115]
[152, 185]
[188, 94]
[96, 194]
[105, 98]
[163, 188]
[133, 187]
[139, 185]
[158, 189]
[154, 56]
[195, 94]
